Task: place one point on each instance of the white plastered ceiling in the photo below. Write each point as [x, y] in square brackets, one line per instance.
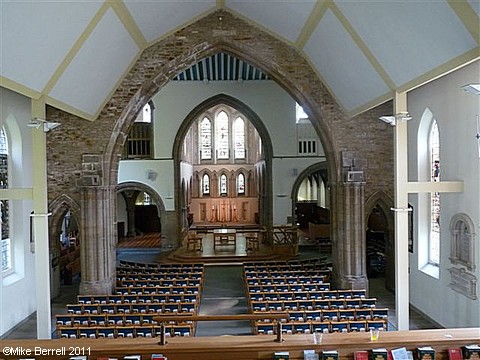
[364, 51]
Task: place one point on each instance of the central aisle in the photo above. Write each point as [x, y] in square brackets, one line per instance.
[223, 294]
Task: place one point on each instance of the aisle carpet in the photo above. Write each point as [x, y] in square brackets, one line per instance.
[223, 294]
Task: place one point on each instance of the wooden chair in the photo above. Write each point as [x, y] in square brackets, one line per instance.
[194, 242]
[252, 242]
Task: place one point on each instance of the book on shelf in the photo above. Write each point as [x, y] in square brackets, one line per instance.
[401, 354]
[455, 354]
[310, 355]
[158, 357]
[425, 353]
[379, 354]
[471, 352]
[360, 355]
[330, 355]
[132, 357]
[281, 355]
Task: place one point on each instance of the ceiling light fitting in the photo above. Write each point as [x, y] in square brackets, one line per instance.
[47, 125]
[393, 119]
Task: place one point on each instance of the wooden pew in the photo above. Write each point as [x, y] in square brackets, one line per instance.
[247, 347]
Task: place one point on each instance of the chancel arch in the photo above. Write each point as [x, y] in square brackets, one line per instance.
[268, 54]
[228, 191]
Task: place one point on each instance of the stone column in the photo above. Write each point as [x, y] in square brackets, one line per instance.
[170, 235]
[130, 199]
[97, 241]
[349, 258]
[98, 232]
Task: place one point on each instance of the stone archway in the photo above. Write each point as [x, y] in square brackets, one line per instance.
[266, 199]
[261, 49]
[158, 65]
[59, 207]
[156, 200]
[383, 203]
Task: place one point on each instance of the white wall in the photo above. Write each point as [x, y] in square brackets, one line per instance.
[284, 170]
[275, 108]
[455, 112]
[17, 290]
[135, 170]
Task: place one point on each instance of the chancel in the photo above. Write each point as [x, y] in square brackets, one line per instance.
[174, 172]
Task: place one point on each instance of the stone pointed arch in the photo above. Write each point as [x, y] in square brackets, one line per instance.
[379, 198]
[282, 62]
[267, 213]
[59, 207]
[385, 203]
[298, 182]
[156, 198]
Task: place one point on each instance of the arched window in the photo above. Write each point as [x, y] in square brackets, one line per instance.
[241, 184]
[434, 145]
[223, 184]
[239, 138]
[205, 139]
[206, 184]
[4, 204]
[145, 116]
[221, 136]
[143, 199]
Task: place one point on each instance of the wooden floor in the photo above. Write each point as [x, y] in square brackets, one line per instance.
[151, 240]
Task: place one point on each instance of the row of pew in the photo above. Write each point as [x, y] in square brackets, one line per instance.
[143, 292]
[137, 298]
[127, 308]
[281, 303]
[291, 279]
[279, 288]
[310, 303]
[96, 332]
[299, 327]
[296, 292]
[102, 320]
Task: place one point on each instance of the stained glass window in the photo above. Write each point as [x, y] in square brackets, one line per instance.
[205, 139]
[206, 184]
[239, 137]
[223, 184]
[4, 204]
[222, 138]
[241, 184]
[434, 249]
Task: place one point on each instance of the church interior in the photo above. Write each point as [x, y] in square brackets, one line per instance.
[254, 177]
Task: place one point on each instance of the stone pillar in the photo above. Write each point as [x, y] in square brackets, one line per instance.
[170, 235]
[130, 199]
[349, 257]
[98, 232]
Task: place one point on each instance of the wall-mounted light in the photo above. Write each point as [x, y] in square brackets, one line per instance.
[151, 174]
[47, 125]
[472, 88]
[393, 119]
